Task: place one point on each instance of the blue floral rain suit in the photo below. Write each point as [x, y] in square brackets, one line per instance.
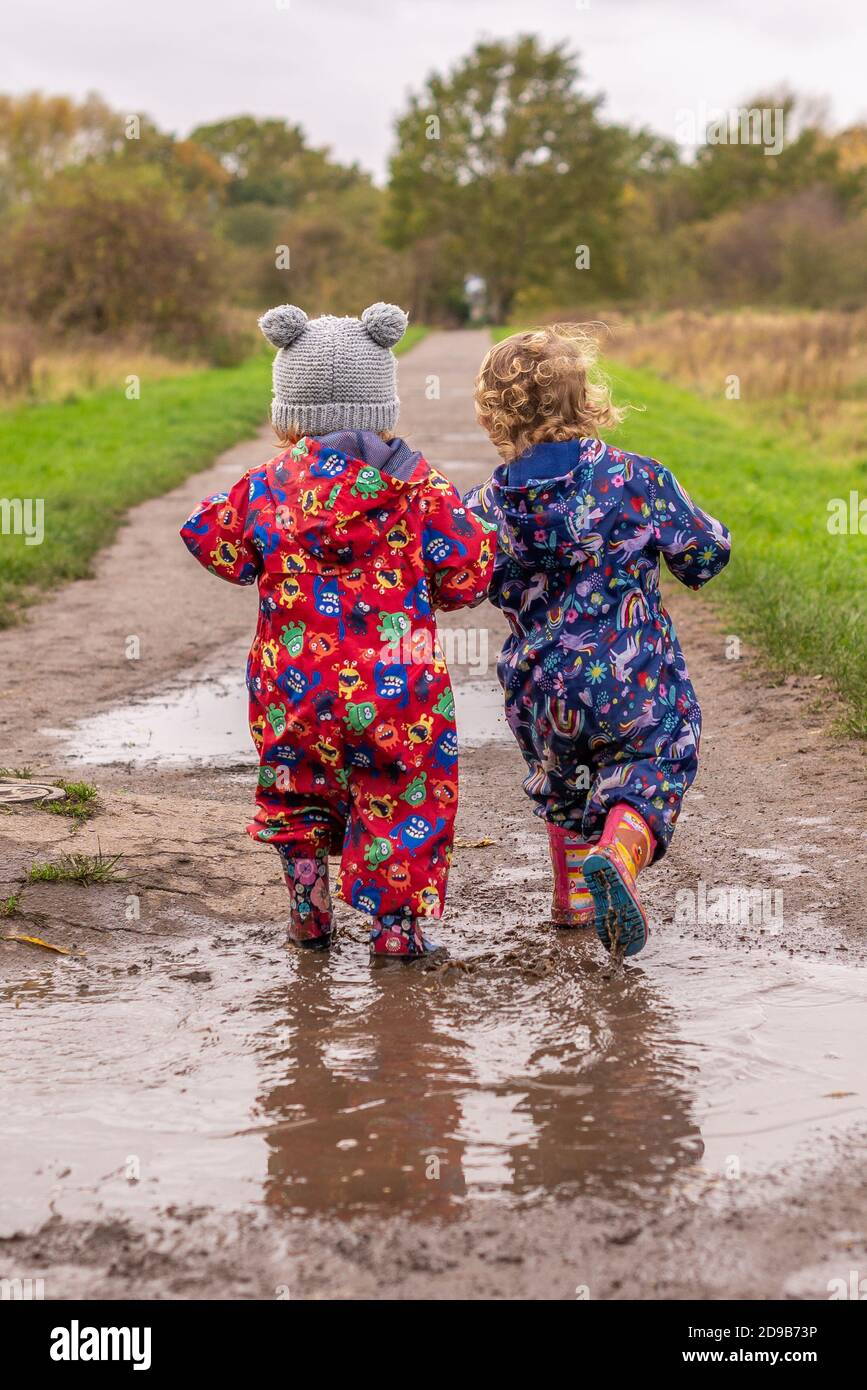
[597, 691]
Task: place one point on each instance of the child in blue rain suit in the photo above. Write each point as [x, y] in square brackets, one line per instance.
[597, 691]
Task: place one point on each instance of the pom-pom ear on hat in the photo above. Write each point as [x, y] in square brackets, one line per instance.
[281, 326]
[385, 323]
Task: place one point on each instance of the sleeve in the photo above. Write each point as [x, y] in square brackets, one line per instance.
[696, 546]
[457, 548]
[480, 501]
[217, 534]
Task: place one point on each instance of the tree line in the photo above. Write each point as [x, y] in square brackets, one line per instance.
[503, 169]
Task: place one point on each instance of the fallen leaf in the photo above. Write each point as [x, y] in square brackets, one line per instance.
[37, 941]
[473, 844]
[838, 1095]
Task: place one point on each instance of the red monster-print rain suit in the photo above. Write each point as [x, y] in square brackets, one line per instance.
[351, 707]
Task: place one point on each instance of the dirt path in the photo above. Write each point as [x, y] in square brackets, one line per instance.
[188, 1111]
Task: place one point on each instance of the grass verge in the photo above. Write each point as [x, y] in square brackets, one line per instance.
[411, 338]
[795, 589]
[88, 461]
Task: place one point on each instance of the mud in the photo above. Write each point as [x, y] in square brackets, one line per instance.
[199, 719]
[189, 1109]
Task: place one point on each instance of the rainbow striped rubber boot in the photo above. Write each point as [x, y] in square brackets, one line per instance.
[572, 903]
[610, 870]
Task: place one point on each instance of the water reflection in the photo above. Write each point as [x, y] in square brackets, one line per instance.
[238, 1074]
[415, 1091]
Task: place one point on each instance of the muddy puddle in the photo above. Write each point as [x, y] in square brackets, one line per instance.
[214, 1069]
[202, 720]
[204, 1066]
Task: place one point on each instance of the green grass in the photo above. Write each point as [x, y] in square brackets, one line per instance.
[796, 591]
[9, 906]
[75, 868]
[92, 459]
[411, 338]
[80, 803]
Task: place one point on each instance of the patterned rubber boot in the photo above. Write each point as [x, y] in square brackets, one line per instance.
[572, 904]
[610, 871]
[398, 936]
[310, 923]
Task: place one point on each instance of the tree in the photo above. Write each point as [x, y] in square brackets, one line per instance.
[337, 262]
[506, 168]
[269, 161]
[107, 247]
[283, 193]
[738, 170]
[40, 135]
[191, 168]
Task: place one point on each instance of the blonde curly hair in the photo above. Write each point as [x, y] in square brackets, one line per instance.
[543, 385]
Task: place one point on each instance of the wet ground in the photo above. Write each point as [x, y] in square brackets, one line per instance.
[199, 719]
[188, 1108]
[214, 1071]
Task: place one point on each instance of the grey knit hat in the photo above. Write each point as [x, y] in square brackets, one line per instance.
[334, 373]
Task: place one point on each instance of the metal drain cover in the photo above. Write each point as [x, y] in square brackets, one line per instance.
[17, 789]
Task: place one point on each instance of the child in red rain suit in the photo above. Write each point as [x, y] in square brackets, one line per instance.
[354, 541]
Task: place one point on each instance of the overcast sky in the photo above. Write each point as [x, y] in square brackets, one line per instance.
[342, 68]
